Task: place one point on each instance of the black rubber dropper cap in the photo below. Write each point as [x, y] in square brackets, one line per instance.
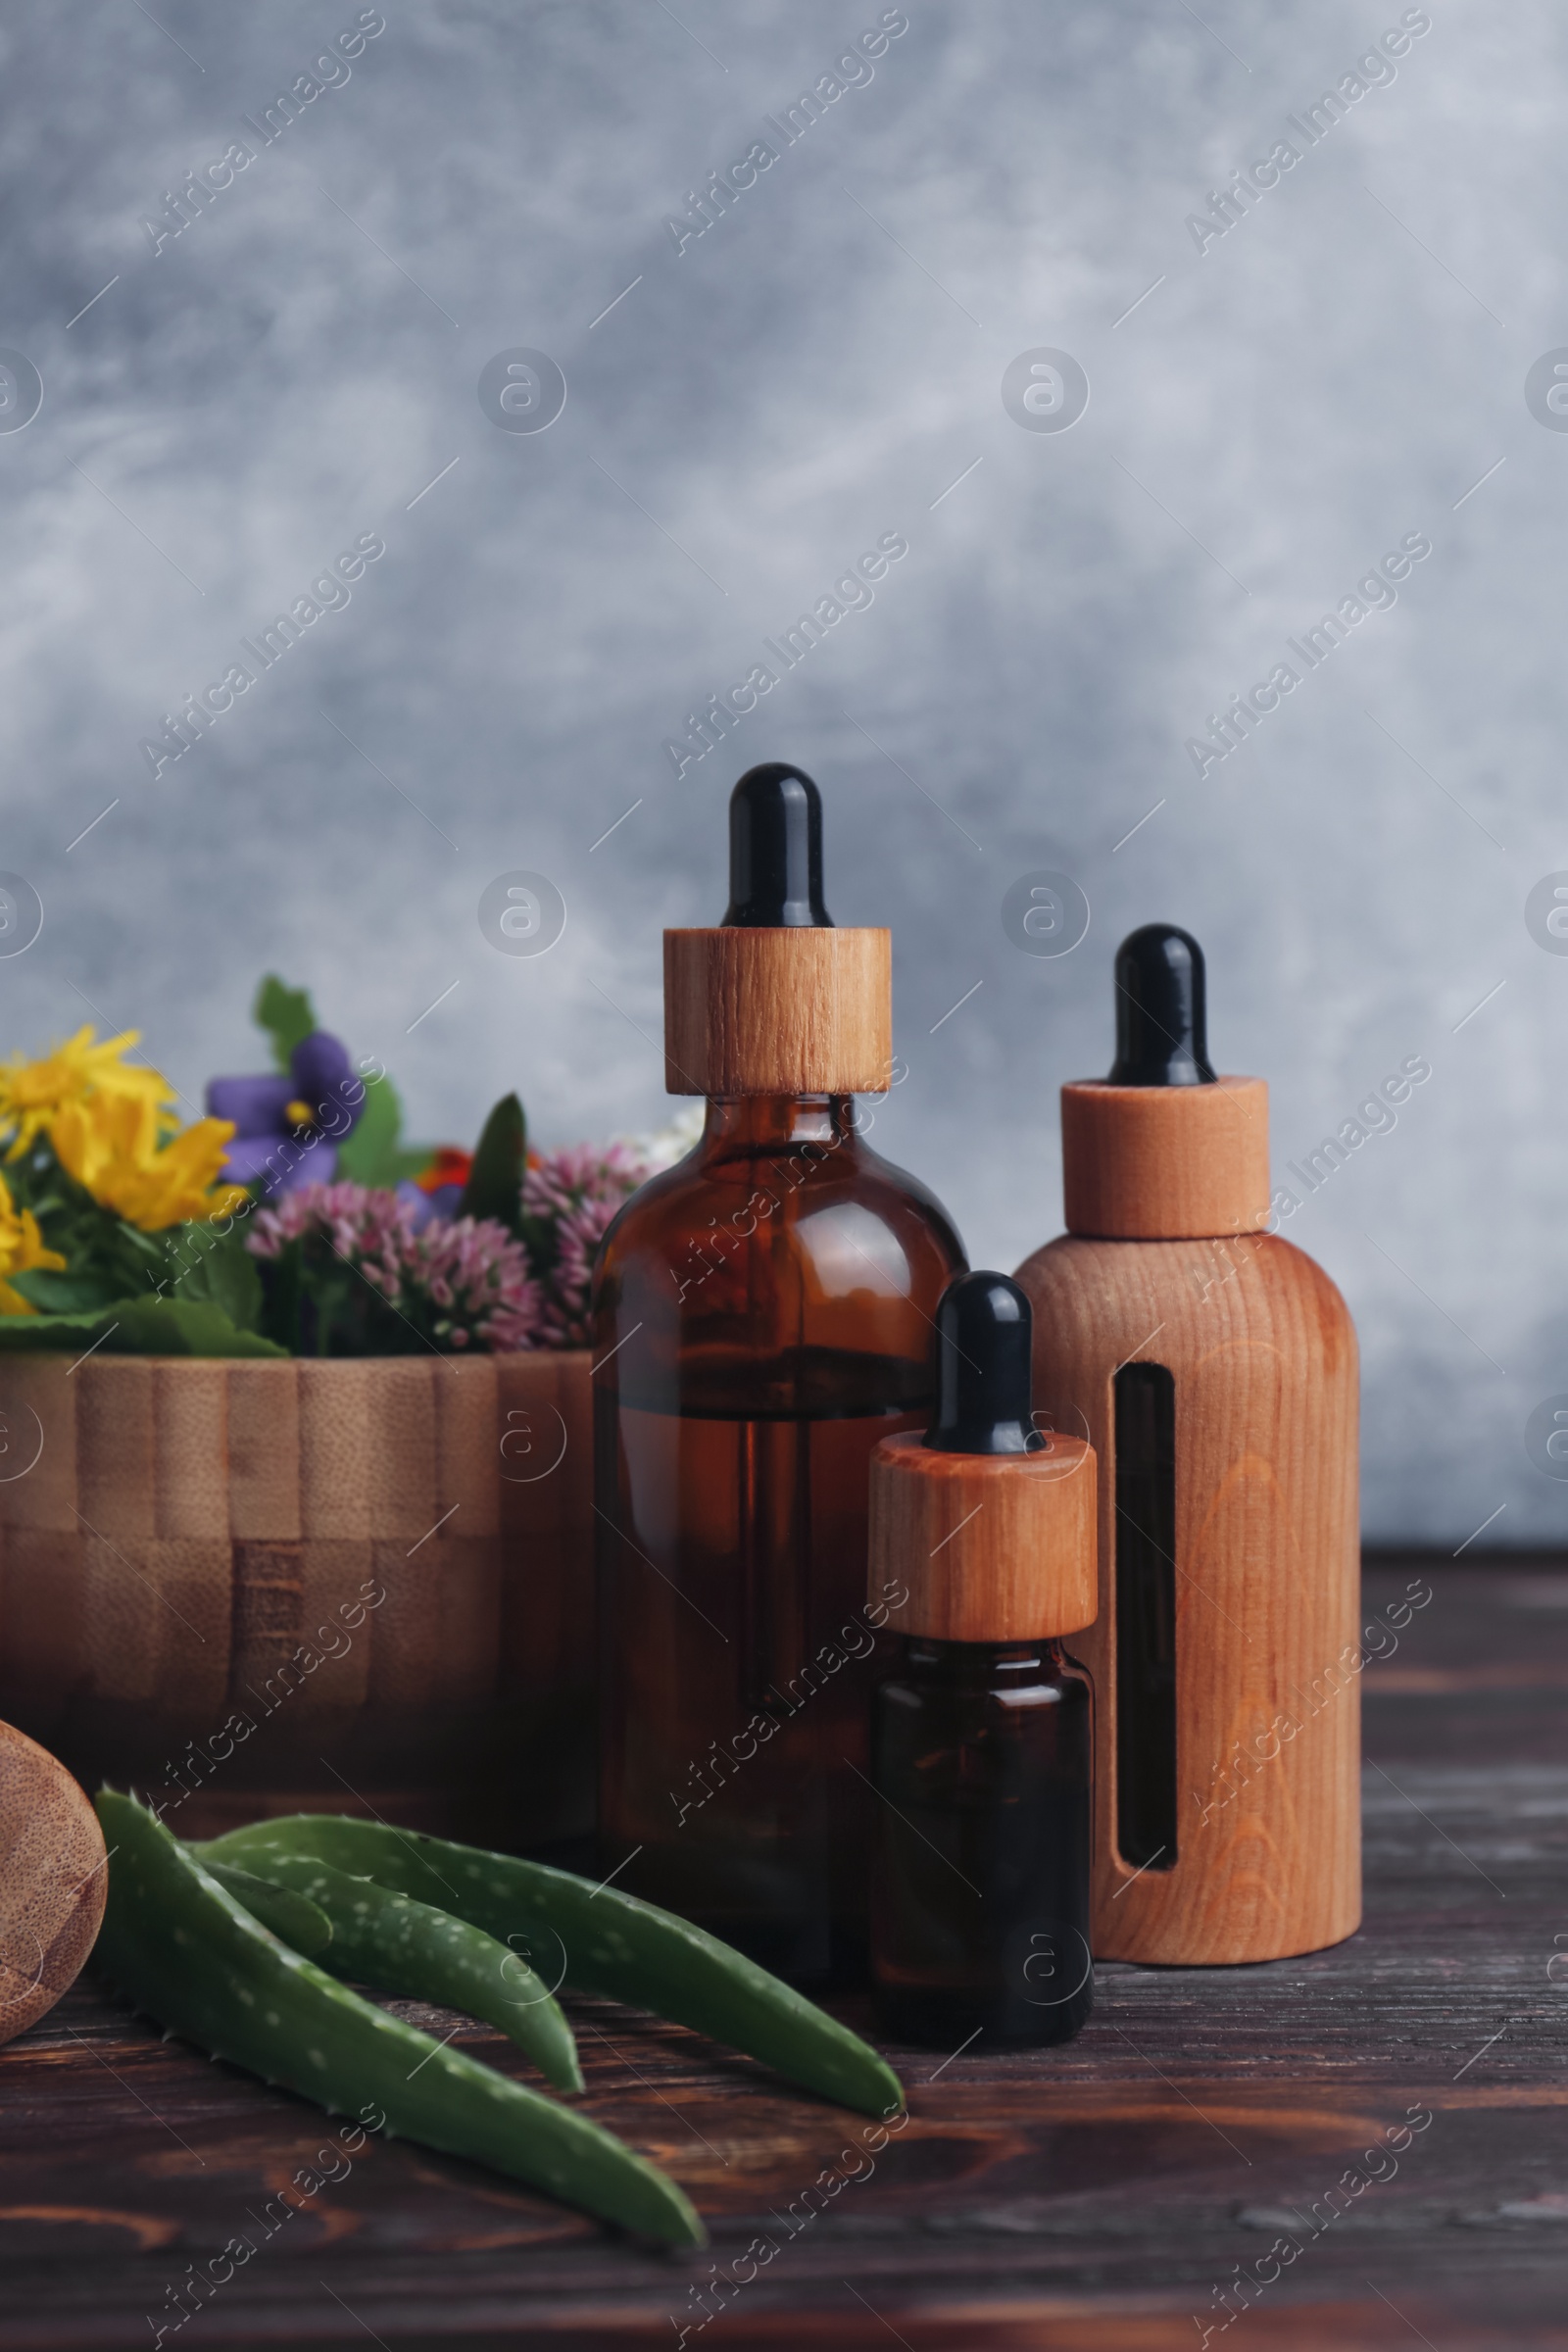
[985, 1327]
[1161, 1018]
[775, 852]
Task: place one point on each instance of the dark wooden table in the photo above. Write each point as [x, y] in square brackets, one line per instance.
[1105, 2196]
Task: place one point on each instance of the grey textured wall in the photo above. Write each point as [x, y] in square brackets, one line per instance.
[1286, 403]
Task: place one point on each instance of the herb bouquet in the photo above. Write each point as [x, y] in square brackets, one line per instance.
[345, 1544]
[292, 1219]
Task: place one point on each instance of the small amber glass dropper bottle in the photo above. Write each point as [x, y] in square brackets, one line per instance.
[762, 1317]
[981, 1737]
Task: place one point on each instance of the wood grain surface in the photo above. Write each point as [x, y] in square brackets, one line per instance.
[788, 1011]
[1102, 2195]
[250, 1585]
[1165, 1163]
[52, 1881]
[989, 1547]
[1262, 1353]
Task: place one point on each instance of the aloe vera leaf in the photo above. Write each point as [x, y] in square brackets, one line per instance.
[179, 1946]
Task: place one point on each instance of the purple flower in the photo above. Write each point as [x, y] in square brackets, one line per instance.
[464, 1284]
[287, 1129]
[440, 1205]
[569, 1199]
[572, 1198]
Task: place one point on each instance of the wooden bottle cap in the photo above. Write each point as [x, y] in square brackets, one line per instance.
[778, 1001]
[1165, 1163]
[990, 1546]
[792, 1010]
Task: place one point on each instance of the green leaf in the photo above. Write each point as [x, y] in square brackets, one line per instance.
[286, 1015]
[292, 1917]
[495, 1181]
[136, 1327]
[65, 1294]
[371, 1154]
[216, 1267]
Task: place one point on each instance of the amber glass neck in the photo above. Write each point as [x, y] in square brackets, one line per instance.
[969, 1661]
[774, 1122]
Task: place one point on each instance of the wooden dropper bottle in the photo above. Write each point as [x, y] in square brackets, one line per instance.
[980, 1735]
[1215, 1367]
[763, 1316]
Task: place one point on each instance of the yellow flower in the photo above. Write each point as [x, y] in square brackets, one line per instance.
[115, 1147]
[33, 1094]
[21, 1249]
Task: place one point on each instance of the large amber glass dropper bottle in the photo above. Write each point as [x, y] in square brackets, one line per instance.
[762, 1318]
